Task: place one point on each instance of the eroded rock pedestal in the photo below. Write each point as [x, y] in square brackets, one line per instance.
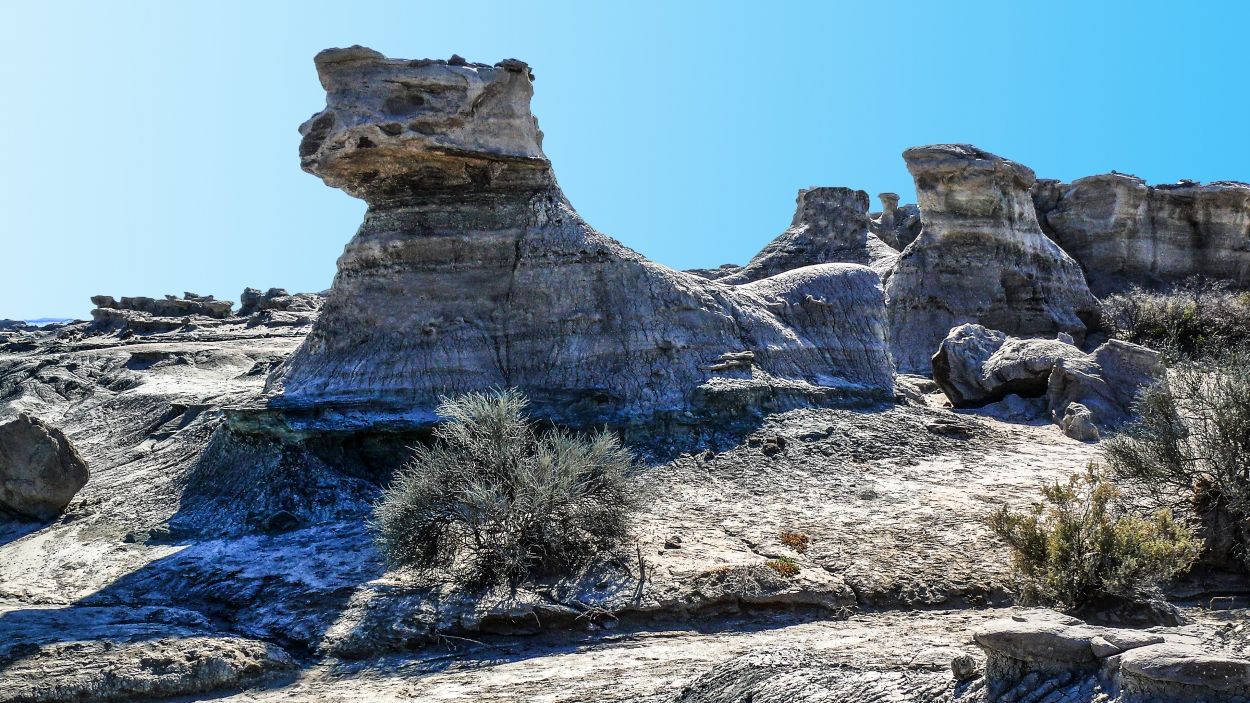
[472, 271]
[981, 257]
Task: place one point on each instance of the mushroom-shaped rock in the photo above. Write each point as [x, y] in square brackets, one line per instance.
[1045, 639]
[981, 257]
[472, 271]
[40, 471]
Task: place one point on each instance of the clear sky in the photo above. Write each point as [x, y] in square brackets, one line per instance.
[150, 148]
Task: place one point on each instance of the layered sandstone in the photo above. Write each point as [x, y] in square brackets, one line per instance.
[472, 271]
[1125, 232]
[981, 258]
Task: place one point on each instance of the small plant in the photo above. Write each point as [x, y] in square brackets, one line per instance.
[1194, 319]
[1189, 449]
[794, 540]
[784, 566]
[491, 501]
[1079, 545]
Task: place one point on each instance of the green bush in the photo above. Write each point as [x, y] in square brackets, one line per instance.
[1195, 319]
[1189, 449]
[492, 501]
[1079, 545]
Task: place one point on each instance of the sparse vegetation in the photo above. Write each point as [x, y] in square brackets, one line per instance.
[784, 566]
[1080, 545]
[794, 540]
[492, 501]
[1189, 449]
[1195, 319]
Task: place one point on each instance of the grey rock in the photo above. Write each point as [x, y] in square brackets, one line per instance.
[975, 366]
[895, 226]
[1116, 641]
[507, 286]
[1013, 408]
[40, 471]
[980, 258]
[108, 309]
[1048, 639]
[1126, 232]
[1106, 382]
[127, 671]
[253, 301]
[1186, 664]
[1078, 423]
[830, 225]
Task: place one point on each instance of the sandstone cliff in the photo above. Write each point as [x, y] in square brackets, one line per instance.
[981, 257]
[1124, 232]
[472, 270]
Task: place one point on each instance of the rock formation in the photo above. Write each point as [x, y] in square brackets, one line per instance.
[975, 366]
[981, 257]
[894, 225]
[473, 271]
[171, 306]
[829, 225]
[253, 301]
[40, 471]
[1124, 232]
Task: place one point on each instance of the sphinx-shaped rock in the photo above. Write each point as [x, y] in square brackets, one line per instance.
[472, 271]
[829, 225]
[981, 257]
[1124, 232]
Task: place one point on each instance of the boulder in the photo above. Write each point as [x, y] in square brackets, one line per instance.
[830, 225]
[981, 257]
[473, 271]
[1078, 423]
[1125, 232]
[975, 366]
[40, 471]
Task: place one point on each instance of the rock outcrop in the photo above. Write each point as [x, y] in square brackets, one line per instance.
[830, 225]
[981, 257]
[975, 366]
[40, 471]
[1040, 652]
[894, 225]
[1124, 232]
[253, 301]
[170, 306]
[473, 271]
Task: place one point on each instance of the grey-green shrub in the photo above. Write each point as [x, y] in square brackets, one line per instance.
[1194, 319]
[1080, 545]
[1189, 449]
[492, 501]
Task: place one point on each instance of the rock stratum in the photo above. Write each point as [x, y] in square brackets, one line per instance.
[981, 257]
[472, 271]
[1125, 232]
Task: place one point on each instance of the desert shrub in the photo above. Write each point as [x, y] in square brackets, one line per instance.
[1194, 319]
[493, 501]
[1189, 448]
[784, 566]
[1080, 545]
[794, 540]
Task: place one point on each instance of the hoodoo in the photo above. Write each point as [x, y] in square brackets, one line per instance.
[981, 257]
[472, 271]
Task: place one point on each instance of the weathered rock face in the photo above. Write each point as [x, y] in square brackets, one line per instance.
[1125, 232]
[1105, 383]
[39, 469]
[981, 258]
[253, 301]
[473, 271]
[830, 225]
[171, 306]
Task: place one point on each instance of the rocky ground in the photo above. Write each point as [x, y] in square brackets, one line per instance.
[150, 586]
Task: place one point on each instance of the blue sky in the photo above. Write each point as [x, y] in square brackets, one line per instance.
[151, 147]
